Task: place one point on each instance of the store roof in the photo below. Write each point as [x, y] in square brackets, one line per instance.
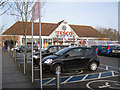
[48, 28]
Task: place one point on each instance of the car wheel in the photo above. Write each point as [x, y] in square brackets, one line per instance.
[56, 68]
[93, 66]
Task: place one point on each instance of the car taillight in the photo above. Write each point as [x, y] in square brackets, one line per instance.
[108, 47]
[97, 55]
[96, 49]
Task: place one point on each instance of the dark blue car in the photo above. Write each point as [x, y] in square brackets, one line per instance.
[107, 50]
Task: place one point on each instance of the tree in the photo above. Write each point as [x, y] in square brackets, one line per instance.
[4, 6]
[109, 33]
[22, 10]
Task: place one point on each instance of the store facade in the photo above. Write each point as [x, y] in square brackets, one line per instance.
[54, 33]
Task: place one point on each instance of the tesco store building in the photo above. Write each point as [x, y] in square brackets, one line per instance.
[52, 33]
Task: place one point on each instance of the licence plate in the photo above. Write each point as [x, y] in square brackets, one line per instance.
[116, 51]
[104, 50]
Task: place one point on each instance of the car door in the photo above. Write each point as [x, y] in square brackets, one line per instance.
[72, 59]
[88, 54]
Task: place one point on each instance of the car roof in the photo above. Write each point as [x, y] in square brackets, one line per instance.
[58, 45]
[80, 47]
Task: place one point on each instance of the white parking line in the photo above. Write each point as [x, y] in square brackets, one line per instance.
[112, 73]
[67, 80]
[84, 77]
[49, 81]
[99, 75]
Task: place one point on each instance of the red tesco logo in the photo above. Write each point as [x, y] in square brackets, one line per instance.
[63, 33]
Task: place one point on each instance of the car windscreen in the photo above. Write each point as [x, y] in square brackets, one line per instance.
[62, 51]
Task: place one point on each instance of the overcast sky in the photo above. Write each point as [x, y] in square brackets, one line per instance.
[104, 14]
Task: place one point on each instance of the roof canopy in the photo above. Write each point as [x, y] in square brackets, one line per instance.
[48, 28]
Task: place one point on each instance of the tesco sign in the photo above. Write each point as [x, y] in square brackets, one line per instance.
[64, 33]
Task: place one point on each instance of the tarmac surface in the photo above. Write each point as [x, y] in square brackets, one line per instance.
[13, 77]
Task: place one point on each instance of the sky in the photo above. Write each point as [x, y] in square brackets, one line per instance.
[103, 14]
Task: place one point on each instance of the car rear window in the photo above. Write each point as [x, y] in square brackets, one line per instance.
[89, 51]
[104, 47]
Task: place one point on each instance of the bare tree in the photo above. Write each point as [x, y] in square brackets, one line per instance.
[4, 6]
[109, 32]
[22, 10]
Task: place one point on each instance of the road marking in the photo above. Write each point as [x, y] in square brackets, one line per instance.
[67, 80]
[99, 75]
[49, 81]
[71, 79]
[84, 77]
[112, 73]
[105, 85]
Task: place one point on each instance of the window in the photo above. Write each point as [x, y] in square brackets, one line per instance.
[88, 51]
[75, 52]
[61, 47]
[53, 49]
[105, 47]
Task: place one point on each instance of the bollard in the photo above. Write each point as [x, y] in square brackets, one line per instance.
[19, 60]
[15, 55]
[58, 78]
[24, 64]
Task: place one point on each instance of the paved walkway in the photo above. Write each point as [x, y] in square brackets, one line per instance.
[12, 76]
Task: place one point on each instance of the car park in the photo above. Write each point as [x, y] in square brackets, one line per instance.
[49, 50]
[107, 50]
[28, 48]
[116, 51]
[72, 58]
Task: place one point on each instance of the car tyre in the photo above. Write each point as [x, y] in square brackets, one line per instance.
[93, 66]
[56, 67]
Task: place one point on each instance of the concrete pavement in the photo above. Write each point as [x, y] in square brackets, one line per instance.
[12, 76]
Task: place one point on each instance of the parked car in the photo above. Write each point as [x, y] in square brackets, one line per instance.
[116, 51]
[98, 48]
[107, 50]
[28, 48]
[72, 58]
[15, 48]
[49, 50]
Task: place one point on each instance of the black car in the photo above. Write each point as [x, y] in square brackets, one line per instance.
[116, 51]
[49, 50]
[28, 48]
[72, 58]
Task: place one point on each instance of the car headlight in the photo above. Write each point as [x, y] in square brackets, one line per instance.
[48, 61]
[113, 50]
